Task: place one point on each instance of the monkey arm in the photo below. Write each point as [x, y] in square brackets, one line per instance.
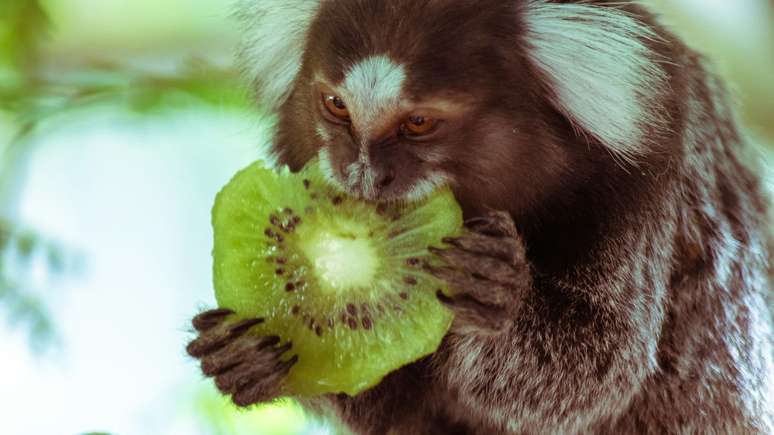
[571, 352]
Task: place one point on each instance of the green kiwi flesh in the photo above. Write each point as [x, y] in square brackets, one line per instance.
[334, 275]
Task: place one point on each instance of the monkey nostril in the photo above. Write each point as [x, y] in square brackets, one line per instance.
[386, 180]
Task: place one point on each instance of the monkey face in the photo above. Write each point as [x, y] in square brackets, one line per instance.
[496, 98]
[379, 142]
[394, 116]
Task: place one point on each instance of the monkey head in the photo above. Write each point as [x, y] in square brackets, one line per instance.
[505, 101]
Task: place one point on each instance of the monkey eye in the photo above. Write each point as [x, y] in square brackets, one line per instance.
[336, 107]
[417, 126]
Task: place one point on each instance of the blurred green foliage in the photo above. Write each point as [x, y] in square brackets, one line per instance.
[23, 24]
[31, 92]
[18, 247]
[218, 416]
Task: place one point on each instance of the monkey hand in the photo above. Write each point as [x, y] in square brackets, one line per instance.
[247, 366]
[487, 272]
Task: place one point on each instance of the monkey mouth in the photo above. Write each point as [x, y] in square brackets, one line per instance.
[357, 180]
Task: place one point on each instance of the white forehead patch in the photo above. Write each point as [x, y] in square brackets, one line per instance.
[373, 87]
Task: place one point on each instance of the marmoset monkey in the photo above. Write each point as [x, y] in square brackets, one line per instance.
[617, 276]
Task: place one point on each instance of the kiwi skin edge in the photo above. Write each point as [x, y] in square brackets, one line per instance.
[339, 278]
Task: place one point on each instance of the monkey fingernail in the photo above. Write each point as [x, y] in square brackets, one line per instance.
[200, 347]
[265, 342]
[291, 362]
[446, 300]
[208, 319]
[284, 348]
[243, 326]
[450, 240]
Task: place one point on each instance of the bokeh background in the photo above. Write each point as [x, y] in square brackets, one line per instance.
[119, 121]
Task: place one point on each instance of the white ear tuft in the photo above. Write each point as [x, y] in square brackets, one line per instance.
[275, 33]
[599, 70]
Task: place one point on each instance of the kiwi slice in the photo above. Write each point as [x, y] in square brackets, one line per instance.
[334, 275]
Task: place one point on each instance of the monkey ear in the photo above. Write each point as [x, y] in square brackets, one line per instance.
[599, 71]
[274, 39]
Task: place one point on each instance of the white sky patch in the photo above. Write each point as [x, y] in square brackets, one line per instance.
[133, 195]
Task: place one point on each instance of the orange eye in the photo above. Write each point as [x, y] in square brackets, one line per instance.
[419, 125]
[336, 107]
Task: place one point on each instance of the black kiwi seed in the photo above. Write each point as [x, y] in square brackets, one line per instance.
[281, 260]
[352, 309]
[295, 310]
[366, 323]
[410, 280]
[279, 271]
[274, 220]
[343, 317]
[287, 210]
[289, 287]
[403, 295]
[318, 330]
[295, 220]
[337, 200]
[274, 235]
[352, 323]
[412, 261]
[307, 183]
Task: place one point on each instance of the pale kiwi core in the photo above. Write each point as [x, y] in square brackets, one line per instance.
[341, 259]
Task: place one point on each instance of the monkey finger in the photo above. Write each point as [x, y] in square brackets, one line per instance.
[481, 267]
[233, 354]
[260, 362]
[486, 292]
[505, 249]
[209, 319]
[471, 314]
[266, 387]
[494, 223]
[219, 336]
